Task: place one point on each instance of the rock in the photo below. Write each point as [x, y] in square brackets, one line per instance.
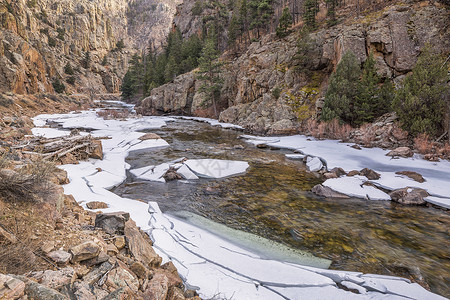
[370, 174]
[140, 270]
[157, 288]
[413, 175]
[409, 196]
[121, 294]
[353, 173]
[112, 222]
[111, 250]
[82, 290]
[60, 176]
[314, 164]
[38, 291]
[56, 279]
[140, 245]
[401, 151]
[92, 277]
[330, 175]
[84, 251]
[149, 136]
[96, 205]
[120, 277]
[10, 287]
[283, 127]
[338, 171]
[96, 149]
[176, 294]
[101, 258]
[48, 246]
[119, 242]
[60, 257]
[357, 147]
[327, 192]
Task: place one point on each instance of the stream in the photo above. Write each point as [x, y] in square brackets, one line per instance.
[272, 200]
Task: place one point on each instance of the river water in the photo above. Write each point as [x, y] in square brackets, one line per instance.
[272, 200]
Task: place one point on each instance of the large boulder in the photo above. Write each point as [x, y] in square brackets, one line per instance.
[140, 245]
[409, 196]
[401, 152]
[112, 222]
[60, 257]
[327, 192]
[56, 279]
[370, 174]
[96, 149]
[84, 251]
[413, 175]
[10, 287]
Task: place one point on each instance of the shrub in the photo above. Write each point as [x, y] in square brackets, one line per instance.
[120, 45]
[61, 32]
[58, 86]
[276, 92]
[285, 23]
[71, 80]
[51, 41]
[420, 102]
[31, 3]
[197, 9]
[68, 69]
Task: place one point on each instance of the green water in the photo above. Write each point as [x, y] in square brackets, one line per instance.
[272, 200]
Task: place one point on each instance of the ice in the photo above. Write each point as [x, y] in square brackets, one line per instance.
[152, 173]
[212, 122]
[295, 156]
[215, 168]
[49, 132]
[186, 173]
[353, 186]
[314, 164]
[337, 154]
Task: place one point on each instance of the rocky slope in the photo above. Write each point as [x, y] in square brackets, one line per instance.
[266, 89]
[40, 37]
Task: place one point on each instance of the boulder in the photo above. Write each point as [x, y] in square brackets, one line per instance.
[157, 288]
[413, 175]
[401, 152]
[149, 136]
[112, 222]
[84, 251]
[111, 249]
[56, 279]
[48, 247]
[82, 290]
[140, 270]
[327, 192]
[353, 173]
[11, 238]
[119, 242]
[92, 277]
[176, 293]
[370, 174]
[37, 291]
[409, 196]
[140, 245]
[10, 287]
[96, 149]
[330, 175]
[121, 277]
[60, 257]
[338, 171]
[96, 205]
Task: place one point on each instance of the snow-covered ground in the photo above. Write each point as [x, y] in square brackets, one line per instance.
[217, 267]
[337, 154]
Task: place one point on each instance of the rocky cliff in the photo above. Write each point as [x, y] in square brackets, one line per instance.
[39, 38]
[271, 89]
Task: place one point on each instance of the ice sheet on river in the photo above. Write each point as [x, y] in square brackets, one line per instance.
[337, 154]
[217, 267]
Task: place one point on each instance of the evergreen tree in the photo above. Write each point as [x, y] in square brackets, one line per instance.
[331, 14]
[420, 102]
[210, 71]
[68, 69]
[86, 62]
[233, 30]
[127, 87]
[285, 23]
[120, 45]
[260, 12]
[58, 86]
[309, 15]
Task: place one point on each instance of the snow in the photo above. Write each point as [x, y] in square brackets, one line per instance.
[151, 173]
[186, 173]
[337, 154]
[212, 122]
[353, 187]
[216, 267]
[216, 168]
[314, 164]
[49, 132]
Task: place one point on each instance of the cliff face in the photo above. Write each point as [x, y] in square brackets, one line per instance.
[265, 90]
[40, 37]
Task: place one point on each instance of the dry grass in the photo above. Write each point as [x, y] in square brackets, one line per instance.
[423, 144]
[331, 130]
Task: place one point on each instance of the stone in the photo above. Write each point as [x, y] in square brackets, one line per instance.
[82, 290]
[112, 222]
[327, 192]
[176, 293]
[93, 276]
[96, 149]
[38, 291]
[120, 277]
[56, 279]
[409, 196]
[111, 250]
[330, 175]
[353, 173]
[413, 175]
[140, 245]
[401, 152]
[10, 287]
[11, 238]
[60, 257]
[149, 136]
[119, 242]
[48, 247]
[338, 171]
[96, 205]
[84, 251]
[157, 288]
[370, 174]
[140, 270]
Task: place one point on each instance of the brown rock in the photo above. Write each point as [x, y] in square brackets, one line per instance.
[111, 250]
[120, 277]
[119, 242]
[97, 149]
[338, 171]
[353, 173]
[401, 151]
[11, 288]
[84, 251]
[93, 276]
[96, 205]
[149, 136]
[48, 246]
[370, 174]
[140, 245]
[140, 270]
[413, 175]
[8, 236]
[409, 196]
[60, 257]
[176, 294]
[56, 279]
[157, 288]
[327, 192]
[330, 175]
[112, 222]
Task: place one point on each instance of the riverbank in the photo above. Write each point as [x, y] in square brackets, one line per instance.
[195, 252]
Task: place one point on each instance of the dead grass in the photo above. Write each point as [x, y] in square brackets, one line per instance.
[423, 144]
[331, 130]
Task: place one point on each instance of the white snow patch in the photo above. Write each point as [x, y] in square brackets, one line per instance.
[353, 186]
[216, 168]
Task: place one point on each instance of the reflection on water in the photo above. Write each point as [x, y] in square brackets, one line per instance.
[273, 201]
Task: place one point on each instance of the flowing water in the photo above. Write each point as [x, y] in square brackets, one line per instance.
[272, 200]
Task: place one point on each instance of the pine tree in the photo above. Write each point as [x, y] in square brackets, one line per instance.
[309, 16]
[331, 14]
[210, 71]
[86, 62]
[285, 23]
[68, 69]
[420, 103]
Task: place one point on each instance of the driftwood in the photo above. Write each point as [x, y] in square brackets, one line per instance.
[67, 149]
